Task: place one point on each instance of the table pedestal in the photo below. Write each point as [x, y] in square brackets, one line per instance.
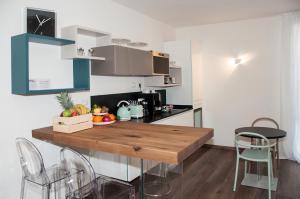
[160, 180]
[253, 180]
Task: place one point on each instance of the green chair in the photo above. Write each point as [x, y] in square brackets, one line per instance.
[255, 153]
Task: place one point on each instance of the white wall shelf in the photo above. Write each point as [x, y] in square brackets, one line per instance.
[175, 67]
[158, 81]
[90, 57]
[166, 85]
[85, 38]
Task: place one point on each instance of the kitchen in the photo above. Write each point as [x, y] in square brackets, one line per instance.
[214, 93]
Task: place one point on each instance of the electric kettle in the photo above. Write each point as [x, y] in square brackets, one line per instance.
[136, 109]
[123, 113]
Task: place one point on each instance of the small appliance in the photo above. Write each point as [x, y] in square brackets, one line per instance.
[136, 109]
[123, 113]
[154, 102]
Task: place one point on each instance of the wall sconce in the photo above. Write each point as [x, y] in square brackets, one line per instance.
[237, 61]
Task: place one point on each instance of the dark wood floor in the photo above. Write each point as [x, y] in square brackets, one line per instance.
[209, 174]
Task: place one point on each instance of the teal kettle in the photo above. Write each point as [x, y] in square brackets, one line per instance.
[123, 113]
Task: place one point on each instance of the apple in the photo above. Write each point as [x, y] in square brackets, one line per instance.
[75, 113]
[106, 118]
[67, 113]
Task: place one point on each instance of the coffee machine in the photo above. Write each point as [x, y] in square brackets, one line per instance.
[154, 101]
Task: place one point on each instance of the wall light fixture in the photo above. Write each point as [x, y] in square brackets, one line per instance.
[237, 61]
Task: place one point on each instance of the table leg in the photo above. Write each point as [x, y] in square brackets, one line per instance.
[258, 141]
[141, 190]
[161, 180]
[277, 153]
[251, 163]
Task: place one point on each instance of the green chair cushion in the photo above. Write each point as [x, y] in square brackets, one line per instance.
[255, 154]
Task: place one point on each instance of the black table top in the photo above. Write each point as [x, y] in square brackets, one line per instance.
[270, 133]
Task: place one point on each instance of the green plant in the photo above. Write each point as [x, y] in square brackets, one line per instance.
[65, 101]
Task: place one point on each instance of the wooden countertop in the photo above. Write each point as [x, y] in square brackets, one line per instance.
[170, 144]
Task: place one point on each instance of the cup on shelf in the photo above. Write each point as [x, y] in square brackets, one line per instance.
[173, 80]
[80, 51]
[91, 52]
[167, 80]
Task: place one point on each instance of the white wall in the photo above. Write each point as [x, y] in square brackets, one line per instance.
[235, 96]
[22, 114]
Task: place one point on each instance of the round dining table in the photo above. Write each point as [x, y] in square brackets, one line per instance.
[269, 133]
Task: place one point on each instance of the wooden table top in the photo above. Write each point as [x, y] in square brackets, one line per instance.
[169, 144]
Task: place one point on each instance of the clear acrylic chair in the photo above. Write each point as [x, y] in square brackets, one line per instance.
[34, 171]
[254, 153]
[86, 184]
[109, 188]
[83, 184]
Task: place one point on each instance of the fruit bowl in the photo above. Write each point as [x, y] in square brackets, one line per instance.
[103, 123]
[73, 120]
[72, 124]
[104, 119]
[74, 117]
[101, 114]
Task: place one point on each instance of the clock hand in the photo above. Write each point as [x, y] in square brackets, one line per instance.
[38, 19]
[37, 28]
[44, 21]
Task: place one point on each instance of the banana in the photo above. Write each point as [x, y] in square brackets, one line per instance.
[81, 109]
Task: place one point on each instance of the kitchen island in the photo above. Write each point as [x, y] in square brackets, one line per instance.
[163, 143]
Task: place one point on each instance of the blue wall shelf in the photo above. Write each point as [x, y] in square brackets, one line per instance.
[20, 65]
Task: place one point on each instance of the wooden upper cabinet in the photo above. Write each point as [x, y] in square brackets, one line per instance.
[140, 62]
[116, 61]
[122, 61]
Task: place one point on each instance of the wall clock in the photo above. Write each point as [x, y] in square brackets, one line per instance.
[41, 22]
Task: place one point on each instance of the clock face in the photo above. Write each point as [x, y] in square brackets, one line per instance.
[41, 22]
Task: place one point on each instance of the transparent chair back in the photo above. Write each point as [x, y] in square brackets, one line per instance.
[80, 182]
[31, 161]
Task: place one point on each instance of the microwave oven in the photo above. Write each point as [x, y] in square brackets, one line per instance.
[160, 62]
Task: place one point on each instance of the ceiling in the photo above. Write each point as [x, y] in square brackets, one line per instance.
[179, 13]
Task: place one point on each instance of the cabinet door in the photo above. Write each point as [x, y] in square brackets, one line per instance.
[122, 61]
[116, 61]
[183, 119]
[140, 62]
[106, 67]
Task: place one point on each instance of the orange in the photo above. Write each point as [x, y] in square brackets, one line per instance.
[112, 117]
[97, 118]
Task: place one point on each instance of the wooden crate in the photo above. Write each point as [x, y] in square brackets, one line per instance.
[72, 124]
